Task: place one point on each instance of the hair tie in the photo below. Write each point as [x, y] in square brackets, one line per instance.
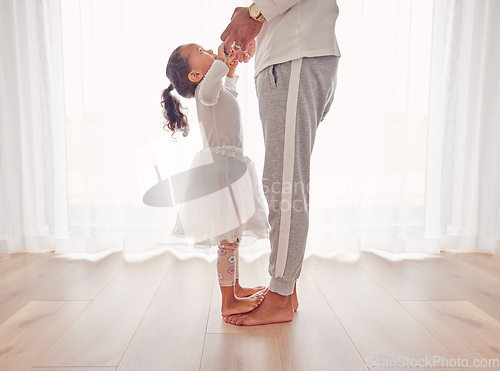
[170, 88]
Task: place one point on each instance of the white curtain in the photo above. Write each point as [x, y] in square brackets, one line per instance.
[413, 149]
[369, 162]
[463, 180]
[31, 122]
[407, 160]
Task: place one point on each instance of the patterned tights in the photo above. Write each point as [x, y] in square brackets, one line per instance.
[228, 262]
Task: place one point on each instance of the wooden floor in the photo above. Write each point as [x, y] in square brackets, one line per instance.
[58, 313]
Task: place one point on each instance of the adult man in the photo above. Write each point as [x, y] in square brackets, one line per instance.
[295, 75]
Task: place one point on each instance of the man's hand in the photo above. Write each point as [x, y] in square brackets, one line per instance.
[221, 55]
[241, 31]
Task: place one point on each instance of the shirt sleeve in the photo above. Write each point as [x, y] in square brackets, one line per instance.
[230, 83]
[271, 8]
[211, 85]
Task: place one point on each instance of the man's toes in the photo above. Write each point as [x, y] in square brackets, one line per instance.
[234, 319]
[237, 322]
[240, 321]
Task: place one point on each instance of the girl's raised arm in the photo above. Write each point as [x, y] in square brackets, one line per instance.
[211, 85]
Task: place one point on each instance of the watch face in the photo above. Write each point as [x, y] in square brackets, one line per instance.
[254, 12]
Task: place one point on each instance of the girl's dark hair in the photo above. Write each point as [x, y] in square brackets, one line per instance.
[172, 111]
[177, 72]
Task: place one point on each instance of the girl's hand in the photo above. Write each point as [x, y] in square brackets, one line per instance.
[232, 67]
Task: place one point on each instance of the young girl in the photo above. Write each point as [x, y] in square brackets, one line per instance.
[236, 209]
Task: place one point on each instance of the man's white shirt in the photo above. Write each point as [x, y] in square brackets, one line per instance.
[295, 29]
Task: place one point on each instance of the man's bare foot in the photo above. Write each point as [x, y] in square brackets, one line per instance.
[242, 292]
[233, 305]
[275, 308]
[295, 301]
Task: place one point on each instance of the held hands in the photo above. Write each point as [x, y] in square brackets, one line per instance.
[245, 56]
[230, 60]
[236, 54]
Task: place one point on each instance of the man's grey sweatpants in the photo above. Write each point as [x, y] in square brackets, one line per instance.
[294, 97]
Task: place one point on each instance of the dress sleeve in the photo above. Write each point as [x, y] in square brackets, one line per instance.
[271, 8]
[211, 85]
[230, 83]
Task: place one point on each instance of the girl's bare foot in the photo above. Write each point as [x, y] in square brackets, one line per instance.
[274, 309]
[234, 305]
[242, 292]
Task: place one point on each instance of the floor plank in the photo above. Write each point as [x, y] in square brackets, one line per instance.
[405, 280]
[470, 282]
[315, 326]
[378, 325]
[489, 263]
[172, 333]
[85, 280]
[73, 368]
[101, 334]
[418, 369]
[14, 266]
[246, 352]
[32, 283]
[462, 327]
[28, 333]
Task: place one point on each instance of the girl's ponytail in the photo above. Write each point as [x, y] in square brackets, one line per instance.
[172, 111]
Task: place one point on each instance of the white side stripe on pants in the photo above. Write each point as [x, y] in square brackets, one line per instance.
[288, 167]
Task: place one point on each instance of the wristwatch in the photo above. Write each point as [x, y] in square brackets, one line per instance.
[256, 14]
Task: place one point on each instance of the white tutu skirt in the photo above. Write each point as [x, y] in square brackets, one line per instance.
[237, 209]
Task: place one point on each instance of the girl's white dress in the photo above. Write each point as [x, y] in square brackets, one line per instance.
[238, 210]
